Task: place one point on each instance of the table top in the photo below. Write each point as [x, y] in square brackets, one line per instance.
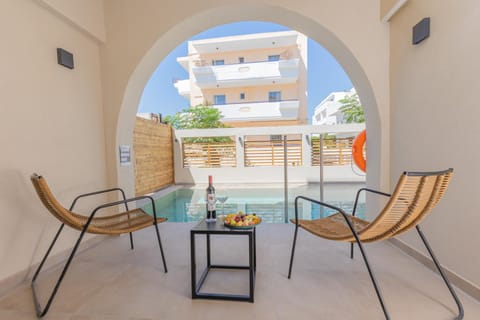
[217, 227]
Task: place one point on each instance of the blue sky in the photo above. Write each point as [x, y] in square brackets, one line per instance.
[160, 96]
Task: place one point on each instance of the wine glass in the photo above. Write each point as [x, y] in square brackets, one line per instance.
[222, 201]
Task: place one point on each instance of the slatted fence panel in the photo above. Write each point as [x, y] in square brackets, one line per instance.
[153, 150]
[271, 153]
[209, 154]
[336, 152]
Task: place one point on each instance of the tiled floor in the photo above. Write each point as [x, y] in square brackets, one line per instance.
[110, 281]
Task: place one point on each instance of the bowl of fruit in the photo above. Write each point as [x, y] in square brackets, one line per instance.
[241, 220]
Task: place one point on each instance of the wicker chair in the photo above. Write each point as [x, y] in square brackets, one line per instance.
[414, 197]
[116, 224]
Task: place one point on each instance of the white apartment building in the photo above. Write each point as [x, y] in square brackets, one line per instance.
[328, 111]
[253, 80]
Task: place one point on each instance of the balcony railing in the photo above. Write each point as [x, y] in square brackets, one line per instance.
[259, 111]
[256, 73]
[183, 88]
[205, 63]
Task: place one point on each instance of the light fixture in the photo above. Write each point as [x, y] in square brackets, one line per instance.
[65, 58]
[240, 140]
[307, 137]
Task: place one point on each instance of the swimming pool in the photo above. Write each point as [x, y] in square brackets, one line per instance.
[188, 203]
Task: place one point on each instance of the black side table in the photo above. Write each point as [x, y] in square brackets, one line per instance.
[219, 228]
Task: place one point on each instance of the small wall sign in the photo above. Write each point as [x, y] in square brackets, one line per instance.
[125, 155]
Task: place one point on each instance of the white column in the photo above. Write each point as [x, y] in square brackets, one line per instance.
[306, 150]
[239, 142]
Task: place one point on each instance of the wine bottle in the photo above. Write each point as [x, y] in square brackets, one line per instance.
[211, 210]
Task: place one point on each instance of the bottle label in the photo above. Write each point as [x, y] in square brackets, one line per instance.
[211, 202]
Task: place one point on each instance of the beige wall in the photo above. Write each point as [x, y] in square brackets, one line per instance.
[386, 6]
[435, 115]
[51, 123]
[87, 15]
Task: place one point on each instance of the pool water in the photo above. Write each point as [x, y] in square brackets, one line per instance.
[188, 204]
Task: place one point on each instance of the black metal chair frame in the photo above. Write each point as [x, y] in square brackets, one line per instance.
[42, 312]
[364, 254]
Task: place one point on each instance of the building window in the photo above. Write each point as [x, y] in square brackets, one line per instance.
[220, 62]
[241, 60]
[274, 57]
[274, 96]
[219, 99]
[242, 96]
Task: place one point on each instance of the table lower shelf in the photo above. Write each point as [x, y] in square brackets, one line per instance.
[196, 294]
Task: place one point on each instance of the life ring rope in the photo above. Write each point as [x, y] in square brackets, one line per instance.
[357, 150]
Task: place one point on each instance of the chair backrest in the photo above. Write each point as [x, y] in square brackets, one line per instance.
[415, 195]
[65, 216]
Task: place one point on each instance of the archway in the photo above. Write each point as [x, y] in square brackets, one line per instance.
[377, 147]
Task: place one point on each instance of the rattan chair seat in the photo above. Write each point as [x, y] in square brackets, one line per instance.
[333, 227]
[124, 222]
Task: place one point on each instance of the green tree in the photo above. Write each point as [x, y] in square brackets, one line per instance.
[352, 109]
[198, 117]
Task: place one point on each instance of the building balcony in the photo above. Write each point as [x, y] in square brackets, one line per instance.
[259, 111]
[183, 88]
[246, 74]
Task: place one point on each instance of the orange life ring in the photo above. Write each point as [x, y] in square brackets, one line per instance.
[357, 150]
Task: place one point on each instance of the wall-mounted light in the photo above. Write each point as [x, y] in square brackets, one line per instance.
[421, 31]
[307, 138]
[65, 58]
[240, 140]
[176, 140]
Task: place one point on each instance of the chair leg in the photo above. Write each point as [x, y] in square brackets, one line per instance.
[293, 252]
[372, 277]
[40, 312]
[442, 274]
[131, 241]
[40, 266]
[161, 249]
[351, 250]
